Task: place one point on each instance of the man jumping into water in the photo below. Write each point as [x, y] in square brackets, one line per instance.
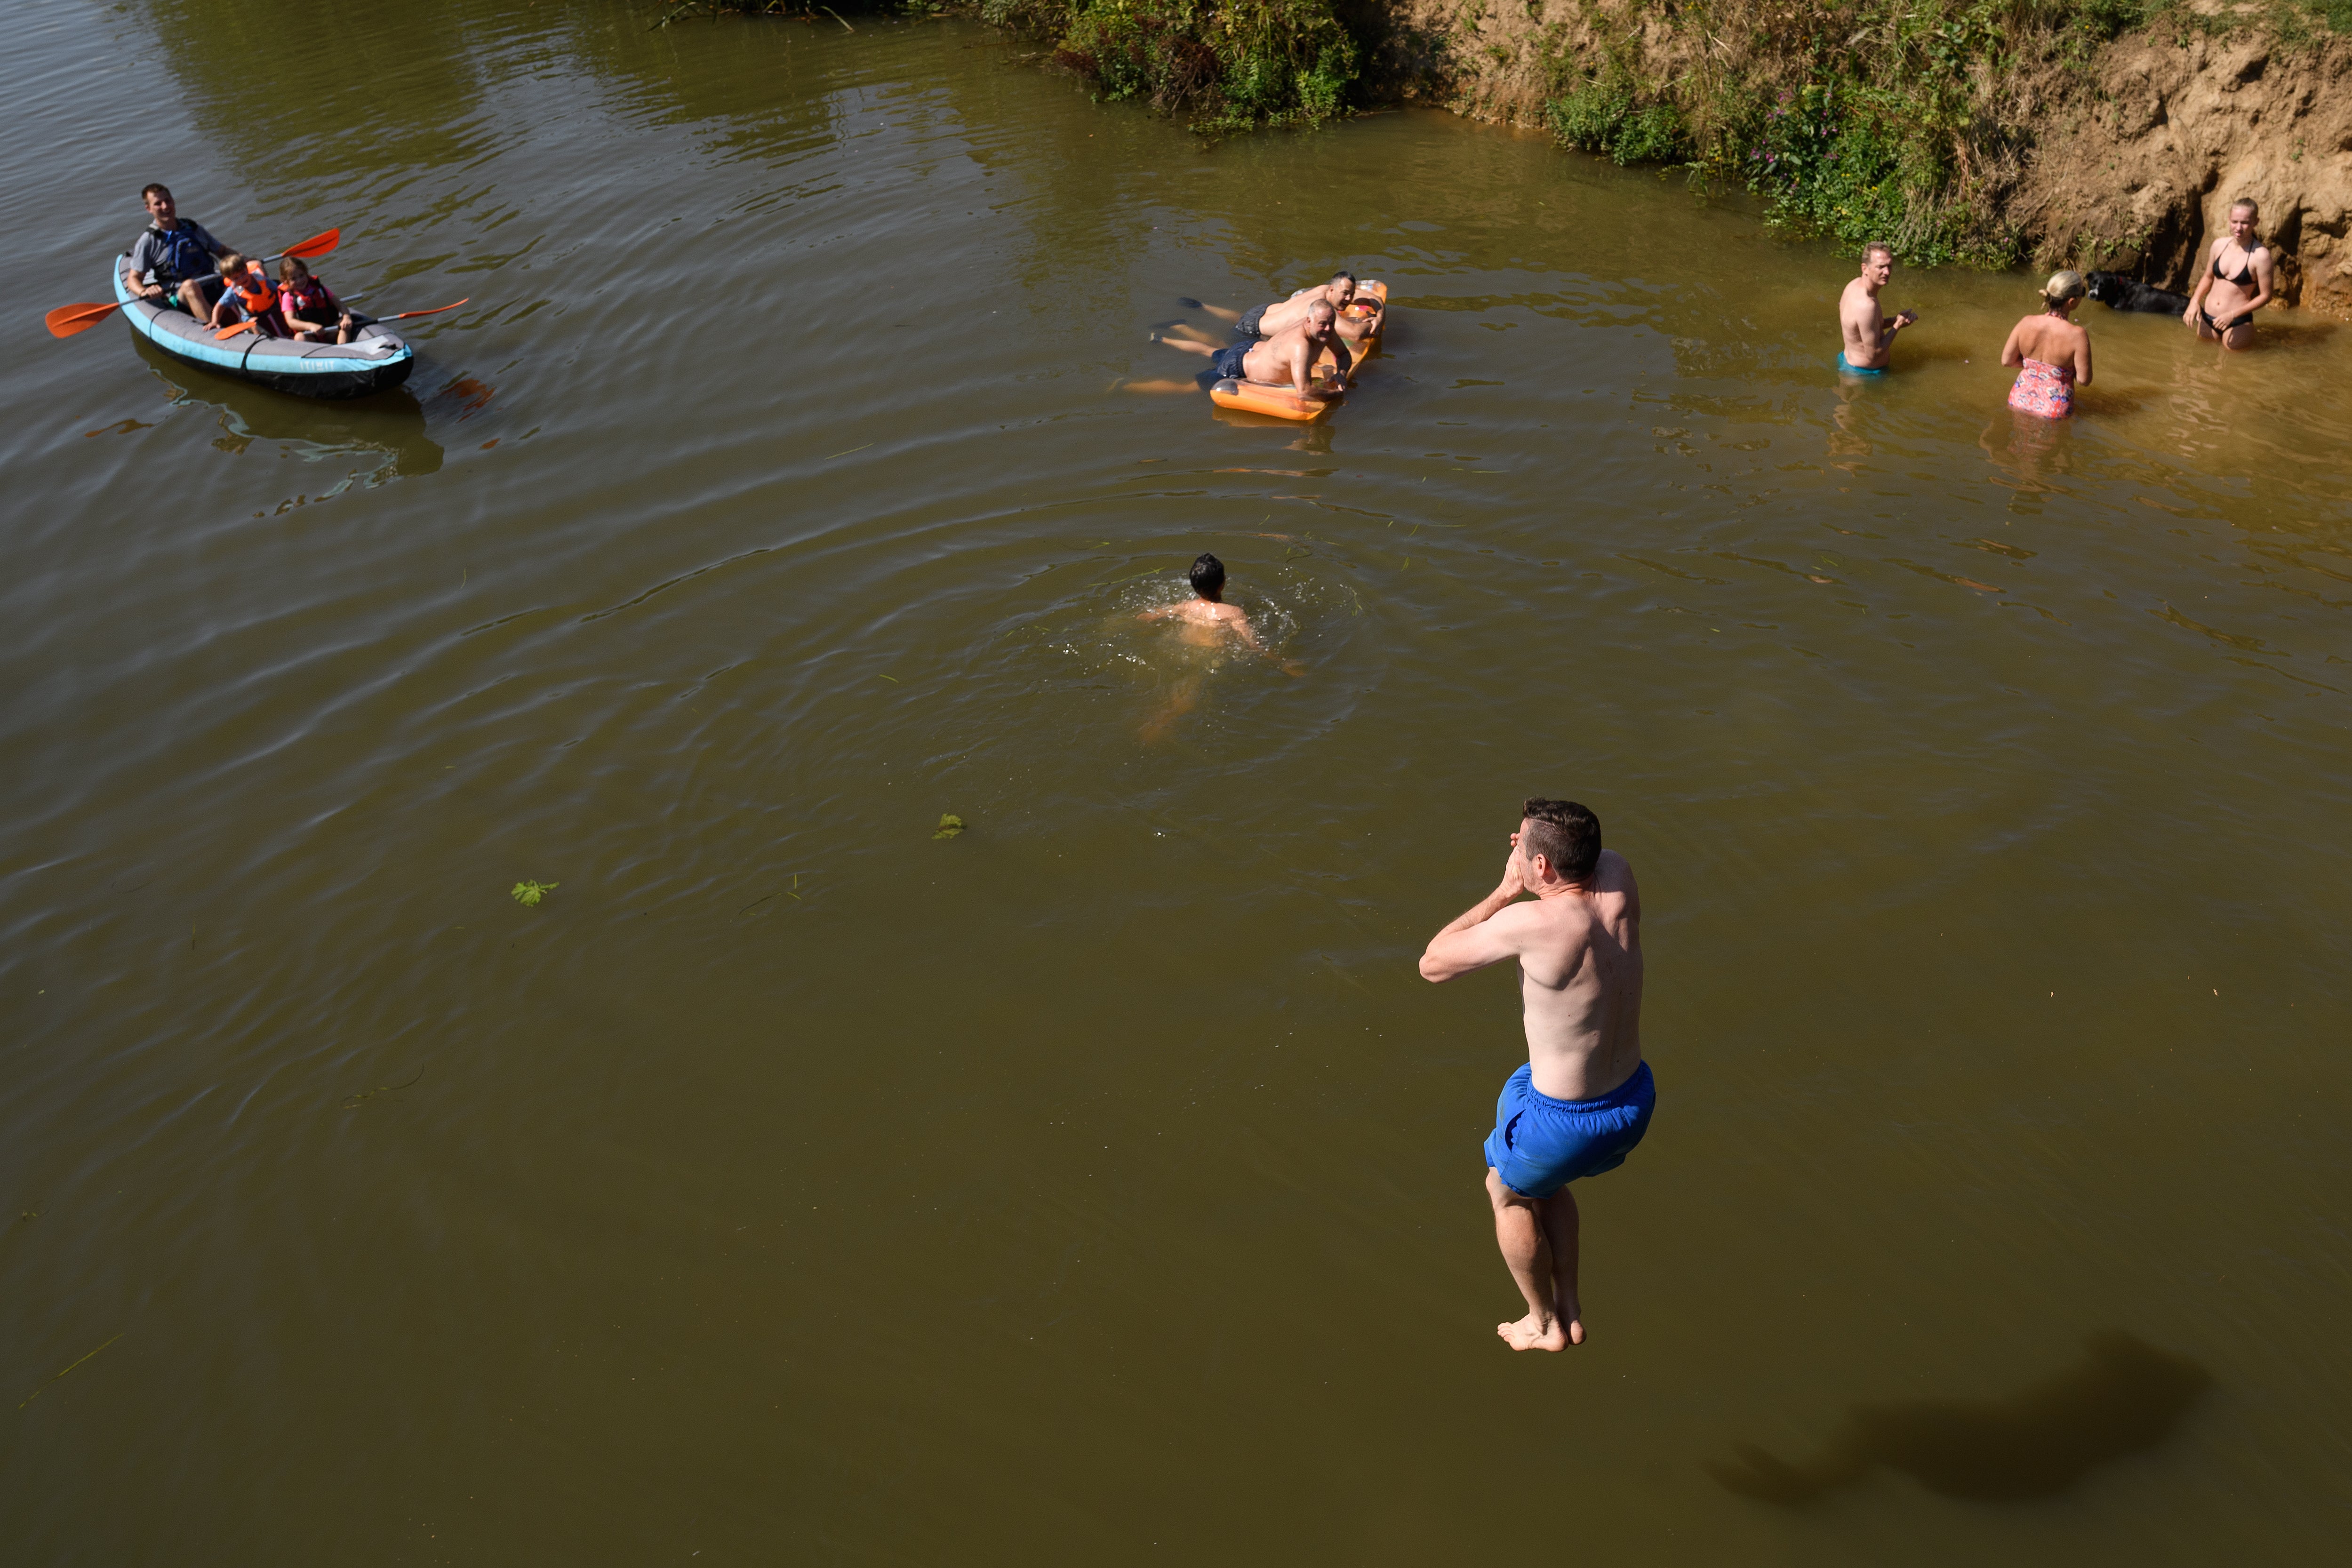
[1869, 335]
[1289, 355]
[1585, 1096]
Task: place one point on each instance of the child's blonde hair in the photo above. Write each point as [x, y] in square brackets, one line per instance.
[231, 263]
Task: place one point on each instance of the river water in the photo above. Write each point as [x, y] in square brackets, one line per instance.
[1102, 1184]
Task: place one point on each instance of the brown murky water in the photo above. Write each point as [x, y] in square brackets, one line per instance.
[1102, 1185]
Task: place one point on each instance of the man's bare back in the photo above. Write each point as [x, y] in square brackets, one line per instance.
[1580, 951]
[1290, 354]
[1585, 1098]
[1207, 624]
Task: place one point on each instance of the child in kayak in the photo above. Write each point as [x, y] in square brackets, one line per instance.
[248, 294]
[308, 307]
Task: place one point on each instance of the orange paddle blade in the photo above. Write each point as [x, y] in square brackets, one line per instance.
[232, 331]
[66, 320]
[317, 245]
[435, 311]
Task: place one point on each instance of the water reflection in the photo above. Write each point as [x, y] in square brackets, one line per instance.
[390, 425]
[2124, 1397]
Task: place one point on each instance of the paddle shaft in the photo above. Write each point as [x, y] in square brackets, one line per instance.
[66, 320]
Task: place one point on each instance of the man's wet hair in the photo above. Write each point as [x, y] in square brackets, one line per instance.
[158, 189]
[1878, 248]
[1563, 833]
[1208, 576]
[1343, 276]
[1328, 317]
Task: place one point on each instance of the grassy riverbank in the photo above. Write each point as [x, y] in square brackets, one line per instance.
[1903, 120]
[1909, 121]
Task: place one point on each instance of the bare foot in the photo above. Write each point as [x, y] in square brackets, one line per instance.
[1569, 1314]
[1534, 1334]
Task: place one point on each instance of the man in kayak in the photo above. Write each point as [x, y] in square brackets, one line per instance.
[1289, 355]
[174, 258]
[1584, 1096]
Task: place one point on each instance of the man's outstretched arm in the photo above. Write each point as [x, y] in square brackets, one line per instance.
[1473, 939]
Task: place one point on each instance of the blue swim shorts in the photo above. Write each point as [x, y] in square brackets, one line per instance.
[1540, 1144]
[1227, 361]
[1846, 367]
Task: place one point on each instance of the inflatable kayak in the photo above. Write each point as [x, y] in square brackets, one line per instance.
[377, 358]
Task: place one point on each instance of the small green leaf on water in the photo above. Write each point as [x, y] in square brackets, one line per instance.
[950, 826]
[528, 894]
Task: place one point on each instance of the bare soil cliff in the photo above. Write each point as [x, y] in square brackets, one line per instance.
[2129, 159]
[2140, 174]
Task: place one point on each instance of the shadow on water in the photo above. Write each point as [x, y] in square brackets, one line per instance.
[389, 423]
[2124, 1397]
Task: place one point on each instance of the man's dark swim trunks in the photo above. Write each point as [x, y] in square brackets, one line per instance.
[1250, 322]
[1227, 361]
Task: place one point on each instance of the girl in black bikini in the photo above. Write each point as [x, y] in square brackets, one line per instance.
[2245, 288]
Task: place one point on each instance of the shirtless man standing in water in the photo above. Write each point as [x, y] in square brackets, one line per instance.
[1868, 334]
[1585, 1096]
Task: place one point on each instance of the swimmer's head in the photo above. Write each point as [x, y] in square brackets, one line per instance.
[2242, 216]
[1878, 260]
[1565, 834]
[1321, 317]
[1344, 281]
[1208, 578]
[2063, 289]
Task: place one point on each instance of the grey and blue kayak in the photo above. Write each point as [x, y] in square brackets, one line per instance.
[377, 358]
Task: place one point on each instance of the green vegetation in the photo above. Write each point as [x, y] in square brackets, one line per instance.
[1232, 65]
[1898, 120]
[528, 894]
[1906, 121]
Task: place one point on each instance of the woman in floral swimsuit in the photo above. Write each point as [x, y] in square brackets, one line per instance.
[2051, 353]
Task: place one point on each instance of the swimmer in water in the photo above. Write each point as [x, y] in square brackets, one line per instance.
[1208, 620]
[1583, 1098]
[1868, 334]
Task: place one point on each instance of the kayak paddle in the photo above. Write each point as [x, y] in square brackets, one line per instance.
[66, 320]
[435, 311]
[317, 245]
[248, 326]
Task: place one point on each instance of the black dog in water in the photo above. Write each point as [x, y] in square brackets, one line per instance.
[2118, 293]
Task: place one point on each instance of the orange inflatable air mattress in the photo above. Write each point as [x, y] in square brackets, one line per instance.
[1261, 397]
[1280, 401]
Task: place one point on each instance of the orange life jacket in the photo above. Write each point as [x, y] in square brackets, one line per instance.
[255, 294]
